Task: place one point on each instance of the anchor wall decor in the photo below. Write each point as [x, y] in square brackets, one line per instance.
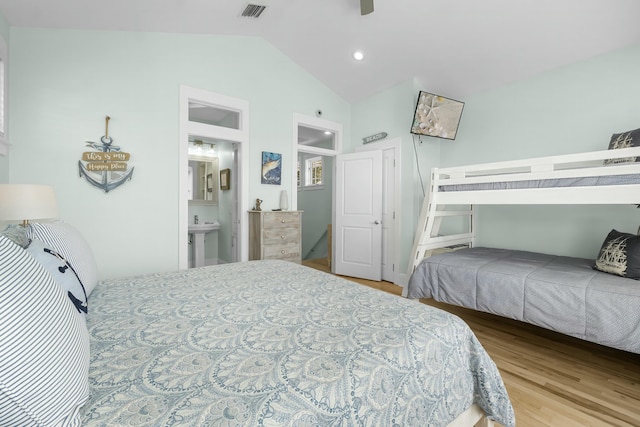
[105, 168]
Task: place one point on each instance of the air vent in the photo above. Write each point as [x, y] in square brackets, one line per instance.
[253, 10]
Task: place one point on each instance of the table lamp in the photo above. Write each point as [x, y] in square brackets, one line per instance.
[24, 202]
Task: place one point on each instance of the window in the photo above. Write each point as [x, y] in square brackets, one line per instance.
[310, 177]
[314, 171]
[4, 146]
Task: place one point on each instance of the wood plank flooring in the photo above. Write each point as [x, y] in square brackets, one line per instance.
[552, 379]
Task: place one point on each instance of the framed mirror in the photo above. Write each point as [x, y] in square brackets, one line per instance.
[202, 184]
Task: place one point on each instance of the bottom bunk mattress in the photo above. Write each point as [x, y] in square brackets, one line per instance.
[272, 343]
[563, 294]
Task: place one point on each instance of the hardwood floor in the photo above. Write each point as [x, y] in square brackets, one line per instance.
[552, 379]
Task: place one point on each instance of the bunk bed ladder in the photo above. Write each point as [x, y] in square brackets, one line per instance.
[428, 239]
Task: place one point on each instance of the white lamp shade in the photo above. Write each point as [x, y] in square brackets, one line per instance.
[20, 202]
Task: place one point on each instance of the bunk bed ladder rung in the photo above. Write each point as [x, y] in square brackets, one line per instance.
[453, 213]
[427, 239]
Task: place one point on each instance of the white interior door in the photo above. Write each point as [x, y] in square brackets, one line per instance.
[358, 225]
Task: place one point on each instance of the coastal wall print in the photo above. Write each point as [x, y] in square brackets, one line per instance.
[271, 168]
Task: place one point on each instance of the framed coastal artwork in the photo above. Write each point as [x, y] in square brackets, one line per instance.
[271, 168]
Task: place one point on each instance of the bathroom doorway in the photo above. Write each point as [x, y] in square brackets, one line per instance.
[223, 122]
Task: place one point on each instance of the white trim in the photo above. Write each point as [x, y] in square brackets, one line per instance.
[240, 136]
[322, 124]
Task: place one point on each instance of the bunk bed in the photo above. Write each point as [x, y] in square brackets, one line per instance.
[564, 294]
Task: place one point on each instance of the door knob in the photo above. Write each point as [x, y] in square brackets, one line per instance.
[376, 222]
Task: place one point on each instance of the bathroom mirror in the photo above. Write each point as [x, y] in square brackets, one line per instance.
[202, 183]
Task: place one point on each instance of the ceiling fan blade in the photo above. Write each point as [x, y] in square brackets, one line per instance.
[366, 7]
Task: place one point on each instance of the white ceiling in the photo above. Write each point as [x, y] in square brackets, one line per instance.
[453, 47]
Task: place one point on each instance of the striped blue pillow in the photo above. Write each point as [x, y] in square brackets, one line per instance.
[67, 241]
[44, 346]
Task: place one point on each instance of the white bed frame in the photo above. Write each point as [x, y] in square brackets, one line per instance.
[589, 164]
[473, 416]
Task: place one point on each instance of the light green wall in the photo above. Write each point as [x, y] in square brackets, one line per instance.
[570, 109]
[63, 84]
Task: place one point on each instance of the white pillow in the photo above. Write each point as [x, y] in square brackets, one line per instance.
[44, 346]
[62, 272]
[67, 240]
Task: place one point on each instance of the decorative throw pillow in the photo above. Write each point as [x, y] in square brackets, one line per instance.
[624, 140]
[68, 242]
[620, 255]
[44, 350]
[17, 234]
[62, 272]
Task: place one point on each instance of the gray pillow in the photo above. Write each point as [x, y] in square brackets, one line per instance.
[620, 255]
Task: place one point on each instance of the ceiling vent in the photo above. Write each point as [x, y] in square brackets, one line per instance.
[253, 10]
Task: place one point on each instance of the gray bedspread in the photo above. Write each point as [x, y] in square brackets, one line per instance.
[273, 343]
[563, 294]
[585, 181]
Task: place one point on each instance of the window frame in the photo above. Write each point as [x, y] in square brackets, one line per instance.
[305, 175]
[4, 98]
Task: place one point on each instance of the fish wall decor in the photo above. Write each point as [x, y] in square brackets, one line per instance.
[271, 168]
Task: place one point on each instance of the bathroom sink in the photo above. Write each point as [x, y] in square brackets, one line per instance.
[198, 231]
[203, 228]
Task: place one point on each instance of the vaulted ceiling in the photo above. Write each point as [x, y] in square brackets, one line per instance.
[452, 47]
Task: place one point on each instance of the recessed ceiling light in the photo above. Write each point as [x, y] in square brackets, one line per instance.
[358, 55]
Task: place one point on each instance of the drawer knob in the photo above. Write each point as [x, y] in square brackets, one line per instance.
[283, 252]
[282, 221]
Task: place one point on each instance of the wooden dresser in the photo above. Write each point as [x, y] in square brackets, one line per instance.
[275, 235]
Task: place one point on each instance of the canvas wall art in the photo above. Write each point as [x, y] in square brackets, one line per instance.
[436, 116]
[271, 168]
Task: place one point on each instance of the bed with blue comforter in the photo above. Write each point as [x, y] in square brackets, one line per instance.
[272, 343]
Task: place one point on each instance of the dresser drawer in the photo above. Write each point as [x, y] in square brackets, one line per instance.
[287, 251]
[278, 236]
[281, 219]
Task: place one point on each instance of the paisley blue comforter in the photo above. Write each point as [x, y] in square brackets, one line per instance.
[272, 343]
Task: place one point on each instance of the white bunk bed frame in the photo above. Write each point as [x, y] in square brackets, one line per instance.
[580, 165]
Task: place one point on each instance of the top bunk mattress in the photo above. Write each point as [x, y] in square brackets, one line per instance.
[588, 181]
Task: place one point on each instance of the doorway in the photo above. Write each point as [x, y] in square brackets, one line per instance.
[317, 142]
[223, 120]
